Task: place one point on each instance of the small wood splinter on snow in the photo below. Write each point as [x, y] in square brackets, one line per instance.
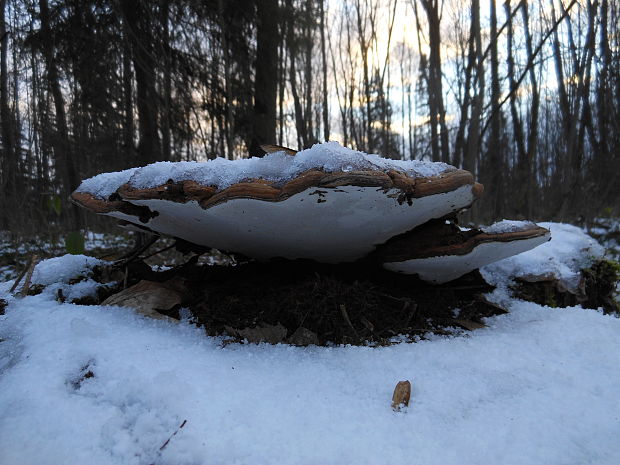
[401, 396]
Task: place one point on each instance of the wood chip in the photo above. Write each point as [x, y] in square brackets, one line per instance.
[401, 396]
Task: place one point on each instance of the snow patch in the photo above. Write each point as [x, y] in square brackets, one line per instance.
[63, 269]
[507, 226]
[105, 184]
[278, 167]
[519, 391]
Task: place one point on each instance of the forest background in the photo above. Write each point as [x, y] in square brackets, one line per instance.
[525, 95]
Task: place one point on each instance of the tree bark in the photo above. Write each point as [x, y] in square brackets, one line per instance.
[138, 16]
[266, 83]
[167, 84]
[9, 155]
[65, 161]
[324, 62]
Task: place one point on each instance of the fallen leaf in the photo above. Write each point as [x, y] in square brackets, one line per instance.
[147, 297]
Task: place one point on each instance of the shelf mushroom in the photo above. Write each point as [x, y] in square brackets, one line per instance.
[327, 203]
[441, 251]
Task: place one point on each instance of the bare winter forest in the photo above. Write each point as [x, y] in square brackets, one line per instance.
[526, 95]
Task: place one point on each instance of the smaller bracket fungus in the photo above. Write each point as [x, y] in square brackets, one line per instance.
[440, 251]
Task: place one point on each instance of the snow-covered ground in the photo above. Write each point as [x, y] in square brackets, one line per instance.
[537, 386]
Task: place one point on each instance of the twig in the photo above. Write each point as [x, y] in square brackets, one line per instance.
[163, 446]
[21, 275]
[125, 278]
[414, 308]
[136, 252]
[159, 251]
[345, 315]
[26, 286]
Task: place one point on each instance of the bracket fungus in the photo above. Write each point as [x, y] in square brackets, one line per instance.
[327, 203]
[440, 251]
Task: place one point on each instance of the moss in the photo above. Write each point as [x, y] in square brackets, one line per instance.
[601, 280]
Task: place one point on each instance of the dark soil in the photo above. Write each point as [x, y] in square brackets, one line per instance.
[344, 304]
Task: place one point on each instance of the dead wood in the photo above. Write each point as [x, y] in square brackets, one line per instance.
[22, 274]
[26, 286]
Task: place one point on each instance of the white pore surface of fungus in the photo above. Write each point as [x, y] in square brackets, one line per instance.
[277, 166]
[445, 268]
[333, 226]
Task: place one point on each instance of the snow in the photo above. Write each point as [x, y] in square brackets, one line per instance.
[277, 167]
[69, 273]
[63, 269]
[105, 184]
[537, 385]
[519, 391]
[507, 226]
[568, 251]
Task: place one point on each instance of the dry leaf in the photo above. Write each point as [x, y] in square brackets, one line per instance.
[147, 297]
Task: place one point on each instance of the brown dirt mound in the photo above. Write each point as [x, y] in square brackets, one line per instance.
[342, 304]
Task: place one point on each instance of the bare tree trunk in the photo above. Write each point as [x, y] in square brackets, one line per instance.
[439, 132]
[167, 87]
[265, 85]
[9, 154]
[364, 49]
[522, 166]
[228, 92]
[128, 122]
[325, 113]
[138, 16]
[62, 148]
[494, 173]
[532, 139]
[302, 133]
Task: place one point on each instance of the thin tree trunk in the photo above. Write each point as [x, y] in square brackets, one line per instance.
[167, 87]
[532, 139]
[139, 22]
[325, 106]
[62, 148]
[128, 122]
[265, 85]
[9, 154]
